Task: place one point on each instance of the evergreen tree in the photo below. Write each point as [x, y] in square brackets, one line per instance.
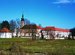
[5, 24]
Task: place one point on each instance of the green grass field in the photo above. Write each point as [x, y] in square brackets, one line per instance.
[55, 47]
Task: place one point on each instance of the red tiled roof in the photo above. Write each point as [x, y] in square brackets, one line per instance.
[52, 28]
[62, 30]
[43, 28]
[49, 28]
[55, 29]
[4, 30]
[39, 27]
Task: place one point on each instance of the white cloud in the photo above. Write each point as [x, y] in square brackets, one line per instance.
[64, 1]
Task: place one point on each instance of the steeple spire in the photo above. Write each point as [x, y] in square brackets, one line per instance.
[22, 19]
[22, 15]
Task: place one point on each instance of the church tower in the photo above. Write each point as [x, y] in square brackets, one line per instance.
[22, 21]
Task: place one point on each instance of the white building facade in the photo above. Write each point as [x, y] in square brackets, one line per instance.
[5, 33]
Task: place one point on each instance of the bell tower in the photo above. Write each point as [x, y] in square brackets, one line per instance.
[22, 21]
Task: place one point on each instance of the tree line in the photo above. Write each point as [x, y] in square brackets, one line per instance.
[12, 24]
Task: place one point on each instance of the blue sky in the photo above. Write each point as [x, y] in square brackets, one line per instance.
[58, 13]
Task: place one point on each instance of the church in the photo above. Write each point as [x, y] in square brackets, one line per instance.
[48, 32]
[29, 30]
[25, 29]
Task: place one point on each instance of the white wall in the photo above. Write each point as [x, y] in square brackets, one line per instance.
[62, 34]
[5, 35]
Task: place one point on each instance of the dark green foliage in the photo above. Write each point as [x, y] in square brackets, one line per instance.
[72, 32]
[42, 36]
[0, 25]
[5, 24]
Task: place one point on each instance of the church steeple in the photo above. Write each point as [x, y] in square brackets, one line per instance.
[22, 15]
[22, 21]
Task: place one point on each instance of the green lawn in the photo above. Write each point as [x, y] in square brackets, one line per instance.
[62, 47]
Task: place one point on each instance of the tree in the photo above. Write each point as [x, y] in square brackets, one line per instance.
[0, 25]
[5, 24]
[27, 22]
[33, 31]
[30, 29]
[72, 32]
[50, 32]
[42, 36]
[18, 23]
[13, 25]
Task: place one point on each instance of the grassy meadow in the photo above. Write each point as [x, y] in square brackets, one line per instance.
[24, 45]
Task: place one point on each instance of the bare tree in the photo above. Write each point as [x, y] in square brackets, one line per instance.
[13, 26]
[18, 22]
[30, 29]
[50, 32]
[26, 21]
